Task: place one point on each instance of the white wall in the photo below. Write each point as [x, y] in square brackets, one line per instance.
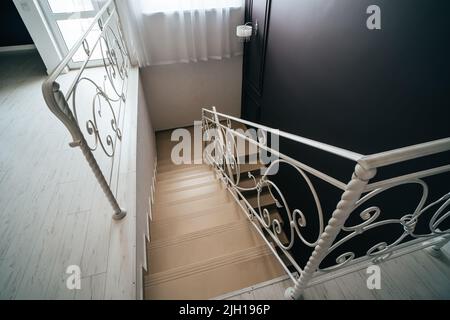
[145, 163]
[176, 93]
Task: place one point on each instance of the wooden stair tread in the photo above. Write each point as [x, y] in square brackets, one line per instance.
[247, 183]
[202, 246]
[183, 173]
[246, 168]
[169, 162]
[237, 125]
[171, 167]
[214, 277]
[195, 235]
[175, 273]
[218, 209]
[174, 227]
[246, 156]
[274, 214]
[195, 175]
[170, 210]
[266, 199]
[180, 185]
[189, 194]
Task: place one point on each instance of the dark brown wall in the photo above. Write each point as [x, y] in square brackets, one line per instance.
[329, 78]
[374, 90]
[13, 31]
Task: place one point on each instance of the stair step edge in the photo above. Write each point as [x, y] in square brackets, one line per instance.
[182, 169]
[169, 162]
[235, 225]
[169, 212]
[219, 210]
[183, 178]
[206, 195]
[207, 265]
[168, 188]
[165, 206]
[183, 173]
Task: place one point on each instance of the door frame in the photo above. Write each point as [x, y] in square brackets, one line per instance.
[52, 19]
[249, 90]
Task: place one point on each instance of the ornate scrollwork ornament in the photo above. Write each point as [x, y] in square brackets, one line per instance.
[105, 140]
[100, 24]
[86, 48]
[371, 220]
[297, 219]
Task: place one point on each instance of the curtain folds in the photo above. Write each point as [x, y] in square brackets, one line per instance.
[180, 31]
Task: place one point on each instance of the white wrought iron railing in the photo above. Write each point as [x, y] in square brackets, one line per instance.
[89, 101]
[226, 157]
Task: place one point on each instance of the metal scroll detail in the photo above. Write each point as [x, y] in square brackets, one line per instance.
[101, 105]
[114, 60]
[334, 234]
[92, 105]
[371, 216]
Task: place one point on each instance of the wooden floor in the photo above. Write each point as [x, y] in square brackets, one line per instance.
[52, 211]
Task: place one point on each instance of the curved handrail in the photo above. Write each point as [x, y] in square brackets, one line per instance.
[354, 200]
[57, 102]
[350, 155]
[391, 157]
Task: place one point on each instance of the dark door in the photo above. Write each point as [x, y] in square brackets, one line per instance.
[256, 12]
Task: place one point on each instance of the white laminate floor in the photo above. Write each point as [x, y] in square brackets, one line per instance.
[52, 212]
[413, 276]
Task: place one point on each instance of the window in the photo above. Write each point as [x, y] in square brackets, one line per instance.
[69, 6]
[68, 21]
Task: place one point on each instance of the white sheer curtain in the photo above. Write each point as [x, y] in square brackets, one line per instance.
[173, 31]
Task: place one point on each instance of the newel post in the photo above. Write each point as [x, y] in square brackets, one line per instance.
[343, 210]
[58, 105]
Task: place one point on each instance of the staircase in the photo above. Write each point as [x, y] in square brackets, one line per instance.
[202, 245]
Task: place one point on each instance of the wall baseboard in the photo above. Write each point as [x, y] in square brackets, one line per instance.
[25, 47]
